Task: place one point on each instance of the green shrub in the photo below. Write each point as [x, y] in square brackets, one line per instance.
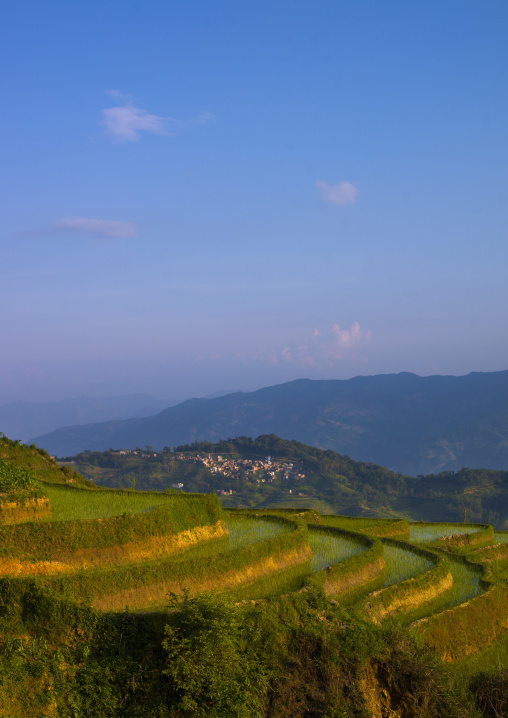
[14, 478]
[211, 667]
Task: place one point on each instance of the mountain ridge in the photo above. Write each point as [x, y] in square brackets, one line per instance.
[408, 423]
[26, 419]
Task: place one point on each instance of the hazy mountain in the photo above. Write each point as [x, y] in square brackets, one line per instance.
[222, 392]
[408, 423]
[24, 420]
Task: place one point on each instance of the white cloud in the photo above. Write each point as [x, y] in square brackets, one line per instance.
[347, 337]
[124, 123]
[335, 343]
[102, 228]
[324, 348]
[341, 193]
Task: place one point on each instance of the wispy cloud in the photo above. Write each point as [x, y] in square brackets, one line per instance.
[126, 122]
[342, 193]
[86, 226]
[324, 348]
[100, 228]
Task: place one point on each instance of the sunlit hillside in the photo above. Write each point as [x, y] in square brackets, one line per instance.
[127, 603]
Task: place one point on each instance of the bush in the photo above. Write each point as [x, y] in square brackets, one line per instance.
[13, 477]
[210, 668]
[492, 694]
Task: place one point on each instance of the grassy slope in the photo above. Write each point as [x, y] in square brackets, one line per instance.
[40, 464]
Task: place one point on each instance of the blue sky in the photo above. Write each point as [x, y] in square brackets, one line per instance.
[204, 195]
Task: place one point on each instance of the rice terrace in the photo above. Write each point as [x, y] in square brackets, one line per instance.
[117, 602]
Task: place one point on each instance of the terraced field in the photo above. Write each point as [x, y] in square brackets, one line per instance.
[316, 588]
[466, 582]
[329, 548]
[370, 527]
[244, 531]
[71, 504]
[425, 533]
[244, 554]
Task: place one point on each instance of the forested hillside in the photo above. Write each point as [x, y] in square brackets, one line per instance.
[408, 423]
[325, 480]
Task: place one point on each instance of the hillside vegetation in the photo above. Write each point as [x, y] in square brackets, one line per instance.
[38, 462]
[331, 482]
[411, 424]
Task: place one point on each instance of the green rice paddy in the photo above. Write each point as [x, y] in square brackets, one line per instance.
[244, 531]
[402, 564]
[328, 547]
[68, 505]
[371, 527]
[282, 582]
[425, 533]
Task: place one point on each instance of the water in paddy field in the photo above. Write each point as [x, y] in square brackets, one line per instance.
[402, 563]
[330, 548]
[501, 537]
[423, 533]
[242, 532]
[466, 582]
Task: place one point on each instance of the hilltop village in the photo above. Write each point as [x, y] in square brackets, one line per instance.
[238, 479]
[259, 471]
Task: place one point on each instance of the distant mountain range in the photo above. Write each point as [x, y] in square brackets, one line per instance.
[24, 420]
[410, 424]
